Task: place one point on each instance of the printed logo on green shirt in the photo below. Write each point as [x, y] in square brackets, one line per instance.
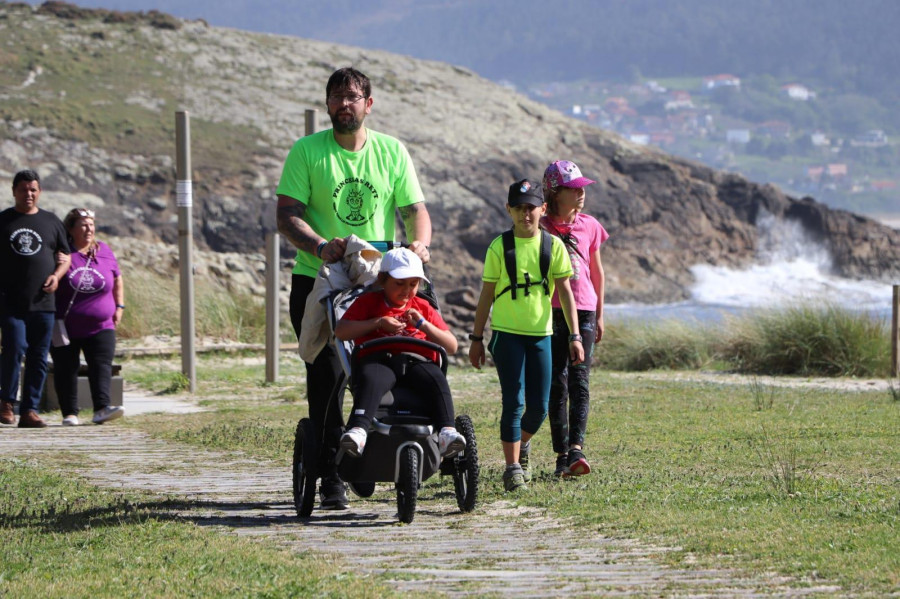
[354, 201]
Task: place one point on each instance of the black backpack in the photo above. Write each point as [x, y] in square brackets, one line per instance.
[509, 257]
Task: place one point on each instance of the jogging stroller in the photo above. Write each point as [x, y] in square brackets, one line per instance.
[402, 445]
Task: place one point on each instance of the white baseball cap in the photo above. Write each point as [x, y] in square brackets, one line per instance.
[402, 263]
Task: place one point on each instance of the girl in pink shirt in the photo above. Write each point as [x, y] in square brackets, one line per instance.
[564, 190]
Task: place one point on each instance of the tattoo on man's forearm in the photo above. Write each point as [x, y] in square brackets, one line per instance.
[291, 225]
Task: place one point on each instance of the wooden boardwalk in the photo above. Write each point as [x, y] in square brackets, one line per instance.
[498, 550]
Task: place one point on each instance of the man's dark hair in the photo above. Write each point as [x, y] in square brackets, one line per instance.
[28, 176]
[346, 77]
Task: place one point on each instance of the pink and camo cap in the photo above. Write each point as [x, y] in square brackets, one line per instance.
[564, 173]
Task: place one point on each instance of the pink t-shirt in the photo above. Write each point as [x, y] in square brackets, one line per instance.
[581, 239]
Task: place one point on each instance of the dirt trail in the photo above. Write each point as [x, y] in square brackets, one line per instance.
[442, 551]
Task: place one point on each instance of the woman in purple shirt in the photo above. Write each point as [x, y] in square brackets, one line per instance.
[91, 299]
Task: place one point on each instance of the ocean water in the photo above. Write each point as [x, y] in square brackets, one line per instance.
[790, 270]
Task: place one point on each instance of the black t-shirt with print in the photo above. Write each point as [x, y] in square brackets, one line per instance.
[28, 247]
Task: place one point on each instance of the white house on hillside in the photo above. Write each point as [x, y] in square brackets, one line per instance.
[795, 91]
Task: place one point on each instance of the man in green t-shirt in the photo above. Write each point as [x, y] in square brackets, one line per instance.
[341, 181]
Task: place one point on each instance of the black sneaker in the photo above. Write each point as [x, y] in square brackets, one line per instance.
[524, 452]
[333, 494]
[562, 465]
[578, 466]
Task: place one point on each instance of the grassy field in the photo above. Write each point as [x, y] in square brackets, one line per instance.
[797, 481]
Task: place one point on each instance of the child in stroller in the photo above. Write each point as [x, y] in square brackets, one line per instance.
[396, 311]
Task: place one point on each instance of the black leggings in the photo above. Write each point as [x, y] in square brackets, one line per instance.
[99, 351]
[378, 374]
[569, 423]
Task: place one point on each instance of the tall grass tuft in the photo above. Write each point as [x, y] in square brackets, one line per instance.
[153, 302]
[781, 459]
[669, 345]
[153, 309]
[808, 340]
[763, 394]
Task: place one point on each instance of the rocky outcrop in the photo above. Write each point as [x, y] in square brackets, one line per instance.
[247, 95]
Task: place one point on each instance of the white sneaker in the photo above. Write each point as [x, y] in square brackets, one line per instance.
[108, 413]
[354, 441]
[450, 442]
[71, 420]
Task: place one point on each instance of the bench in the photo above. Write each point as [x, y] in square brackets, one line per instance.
[50, 402]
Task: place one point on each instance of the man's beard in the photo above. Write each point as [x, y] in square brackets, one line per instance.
[345, 126]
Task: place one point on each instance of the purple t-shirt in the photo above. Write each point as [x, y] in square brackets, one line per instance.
[581, 238]
[94, 305]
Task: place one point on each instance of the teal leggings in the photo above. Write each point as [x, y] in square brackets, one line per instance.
[523, 364]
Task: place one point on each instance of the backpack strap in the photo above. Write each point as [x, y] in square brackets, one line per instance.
[546, 249]
[509, 258]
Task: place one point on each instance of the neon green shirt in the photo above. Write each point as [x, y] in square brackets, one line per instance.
[348, 192]
[527, 314]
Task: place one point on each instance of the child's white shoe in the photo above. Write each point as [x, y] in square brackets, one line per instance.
[450, 442]
[354, 441]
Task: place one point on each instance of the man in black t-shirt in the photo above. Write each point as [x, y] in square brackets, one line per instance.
[34, 256]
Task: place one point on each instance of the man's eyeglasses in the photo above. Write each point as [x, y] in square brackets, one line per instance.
[340, 99]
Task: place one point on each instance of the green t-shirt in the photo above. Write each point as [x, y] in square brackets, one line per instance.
[527, 314]
[348, 192]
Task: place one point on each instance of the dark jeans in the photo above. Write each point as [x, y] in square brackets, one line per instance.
[99, 351]
[379, 374]
[523, 366]
[321, 378]
[25, 336]
[567, 427]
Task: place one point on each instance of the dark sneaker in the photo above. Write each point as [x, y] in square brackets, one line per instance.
[7, 413]
[333, 494]
[514, 479]
[562, 465]
[578, 466]
[524, 453]
[30, 419]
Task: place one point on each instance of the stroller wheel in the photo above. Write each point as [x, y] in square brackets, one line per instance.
[408, 484]
[465, 467]
[304, 467]
[362, 489]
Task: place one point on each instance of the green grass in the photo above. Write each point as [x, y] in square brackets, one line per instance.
[806, 487]
[63, 538]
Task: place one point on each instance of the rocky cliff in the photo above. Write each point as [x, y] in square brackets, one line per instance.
[88, 98]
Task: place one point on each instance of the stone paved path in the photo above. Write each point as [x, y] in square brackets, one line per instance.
[442, 551]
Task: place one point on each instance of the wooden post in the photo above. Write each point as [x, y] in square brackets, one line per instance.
[184, 200]
[273, 264]
[895, 334]
[273, 310]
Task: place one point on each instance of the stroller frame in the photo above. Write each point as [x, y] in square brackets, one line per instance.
[410, 437]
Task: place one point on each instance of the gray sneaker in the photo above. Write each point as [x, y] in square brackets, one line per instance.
[524, 453]
[514, 479]
[108, 413]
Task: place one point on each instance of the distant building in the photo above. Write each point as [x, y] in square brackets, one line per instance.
[737, 136]
[819, 139]
[798, 92]
[872, 139]
[640, 138]
[719, 81]
[655, 87]
[679, 100]
[834, 173]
